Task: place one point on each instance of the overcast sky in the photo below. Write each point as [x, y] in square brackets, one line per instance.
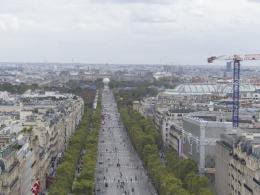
[127, 31]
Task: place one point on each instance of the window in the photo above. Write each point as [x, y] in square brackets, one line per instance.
[198, 148]
[189, 139]
[184, 139]
[190, 149]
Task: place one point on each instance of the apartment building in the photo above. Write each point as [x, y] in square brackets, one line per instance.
[201, 130]
[9, 171]
[32, 142]
[238, 164]
[171, 128]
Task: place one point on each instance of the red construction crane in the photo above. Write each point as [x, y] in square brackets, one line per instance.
[236, 59]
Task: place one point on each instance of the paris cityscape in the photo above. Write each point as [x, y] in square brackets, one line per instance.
[127, 97]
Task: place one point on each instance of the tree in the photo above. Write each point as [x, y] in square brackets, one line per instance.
[186, 167]
[196, 184]
[205, 191]
[179, 176]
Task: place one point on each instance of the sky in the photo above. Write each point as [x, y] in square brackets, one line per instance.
[127, 31]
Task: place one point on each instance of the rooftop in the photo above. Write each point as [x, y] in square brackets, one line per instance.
[206, 88]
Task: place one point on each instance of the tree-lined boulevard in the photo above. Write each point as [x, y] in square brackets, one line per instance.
[119, 169]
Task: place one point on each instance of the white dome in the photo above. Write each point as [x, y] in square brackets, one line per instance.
[106, 80]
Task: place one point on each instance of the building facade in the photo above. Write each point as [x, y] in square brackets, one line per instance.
[33, 141]
[238, 164]
[201, 130]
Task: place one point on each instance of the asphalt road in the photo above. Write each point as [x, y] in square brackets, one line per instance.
[119, 170]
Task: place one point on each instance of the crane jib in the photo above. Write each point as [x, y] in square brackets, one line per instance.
[236, 59]
[252, 57]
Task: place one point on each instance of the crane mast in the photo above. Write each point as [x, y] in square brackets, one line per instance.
[236, 59]
[236, 93]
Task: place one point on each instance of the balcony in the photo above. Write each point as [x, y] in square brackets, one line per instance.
[13, 183]
[12, 167]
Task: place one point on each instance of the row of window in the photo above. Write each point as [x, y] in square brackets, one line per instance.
[191, 145]
[236, 191]
[236, 169]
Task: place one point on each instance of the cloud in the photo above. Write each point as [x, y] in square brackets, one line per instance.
[9, 23]
[141, 31]
[135, 1]
[197, 13]
[256, 1]
[151, 16]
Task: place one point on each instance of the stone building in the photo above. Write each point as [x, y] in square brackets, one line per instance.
[33, 143]
[238, 164]
[9, 171]
[200, 132]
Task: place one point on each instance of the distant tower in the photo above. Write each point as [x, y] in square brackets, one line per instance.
[166, 68]
[229, 67]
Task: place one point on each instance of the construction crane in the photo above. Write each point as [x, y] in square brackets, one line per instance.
[235, 59]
